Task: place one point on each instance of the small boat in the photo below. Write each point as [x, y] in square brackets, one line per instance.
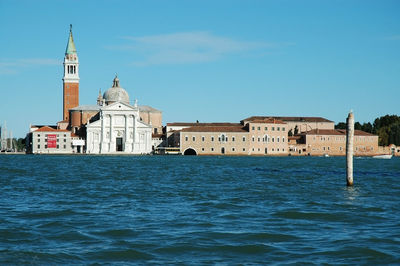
[326, 155]
[383, 156]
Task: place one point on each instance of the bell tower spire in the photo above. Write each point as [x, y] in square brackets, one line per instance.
[71, 77]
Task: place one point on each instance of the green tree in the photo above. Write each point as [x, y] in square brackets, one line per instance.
[340, 125]
[20, 144]
[367, 127]
[290, 133]
[383, 137]
[394, 134]
[357, 126]
[386, 127]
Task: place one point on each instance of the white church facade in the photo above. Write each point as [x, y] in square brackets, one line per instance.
[118, 129]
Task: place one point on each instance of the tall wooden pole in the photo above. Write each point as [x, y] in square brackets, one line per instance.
[349, 148]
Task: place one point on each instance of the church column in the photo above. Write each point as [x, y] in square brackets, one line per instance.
[148, 144]
[135, 133]
[134, 138]
[126, 133]
[103, 133]
[126, 128]
[112, 146]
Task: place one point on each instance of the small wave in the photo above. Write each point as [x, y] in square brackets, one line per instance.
[48, 214]
[116, 233]
[19, 257]
[319, 216]
[270, 237]
[359, 255]
[244, 249]
[119, 255]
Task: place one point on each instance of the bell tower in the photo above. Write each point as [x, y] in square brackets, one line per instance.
[71, 77]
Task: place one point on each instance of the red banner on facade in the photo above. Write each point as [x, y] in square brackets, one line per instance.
[51, 141]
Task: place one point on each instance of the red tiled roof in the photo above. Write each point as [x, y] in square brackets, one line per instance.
[289, 118]
[39, 126]
[49, 129]
[215, 129]
[335, 132]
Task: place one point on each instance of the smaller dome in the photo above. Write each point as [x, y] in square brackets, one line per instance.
[116, 93]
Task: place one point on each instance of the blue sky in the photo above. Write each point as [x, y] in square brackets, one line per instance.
[204, 60]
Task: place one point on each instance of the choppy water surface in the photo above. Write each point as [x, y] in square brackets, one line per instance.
[197, 210]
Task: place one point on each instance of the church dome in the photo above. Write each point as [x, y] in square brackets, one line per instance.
[116, 93]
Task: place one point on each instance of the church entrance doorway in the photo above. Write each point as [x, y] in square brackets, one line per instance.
[119, 144]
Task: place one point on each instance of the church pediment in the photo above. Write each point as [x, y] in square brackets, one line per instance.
[119, 106]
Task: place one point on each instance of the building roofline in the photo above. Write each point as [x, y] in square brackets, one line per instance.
[195, 124]
[289, 118]
[221, 129]
[335, 132]
[49, 129]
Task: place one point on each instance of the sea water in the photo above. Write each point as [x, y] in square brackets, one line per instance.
[197, 210]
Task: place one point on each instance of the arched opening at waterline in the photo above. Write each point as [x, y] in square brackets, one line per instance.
[190, 151]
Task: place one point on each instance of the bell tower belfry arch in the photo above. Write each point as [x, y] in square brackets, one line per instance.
[71, 77]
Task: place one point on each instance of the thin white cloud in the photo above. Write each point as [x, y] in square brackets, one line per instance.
[393, 38]
[13, 66]
[188, 47]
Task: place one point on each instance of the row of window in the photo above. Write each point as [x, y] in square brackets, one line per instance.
[342, 148]
[65, 140]
[268, 139]
[65, 135]
[342, 138]
[243, 149]
[223, 149]
[224, 138]
[266, 128]
[273, 149]
[58, 146]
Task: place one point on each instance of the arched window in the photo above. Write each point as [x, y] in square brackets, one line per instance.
[223, 138]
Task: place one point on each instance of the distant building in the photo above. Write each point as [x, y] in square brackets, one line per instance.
[302, 124]
[173, 130]
[49, 140]
[258, 137]
[263, 135]
[110, 126]
[332, 142]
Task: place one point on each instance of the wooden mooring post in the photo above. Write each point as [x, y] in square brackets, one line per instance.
[349, 148]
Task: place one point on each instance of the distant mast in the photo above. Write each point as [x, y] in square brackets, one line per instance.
[4, 139]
